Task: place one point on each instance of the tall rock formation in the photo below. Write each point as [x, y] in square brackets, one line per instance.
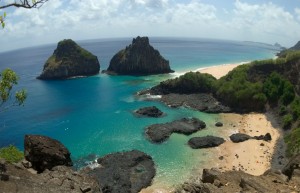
[70, 60]
[139, 58]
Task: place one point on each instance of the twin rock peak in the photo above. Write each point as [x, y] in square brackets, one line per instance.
[70, 60]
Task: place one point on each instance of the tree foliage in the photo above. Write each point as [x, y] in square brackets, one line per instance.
[8, 79]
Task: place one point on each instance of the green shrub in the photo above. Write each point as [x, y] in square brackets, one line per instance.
[295, 108]
[191, 82]
[277, 88]
[287, 120]
[11, 154]
[293, 142]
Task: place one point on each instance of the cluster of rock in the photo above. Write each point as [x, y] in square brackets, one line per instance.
[70, 60]
[46, 169]
[215, 181]
[139, 58]
[160, 132]
[205, 142]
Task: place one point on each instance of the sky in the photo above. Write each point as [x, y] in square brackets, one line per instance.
[244, 20]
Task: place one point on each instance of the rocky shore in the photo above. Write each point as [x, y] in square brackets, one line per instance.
[46, 169]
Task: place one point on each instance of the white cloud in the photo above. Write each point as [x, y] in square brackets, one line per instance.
[78, 19]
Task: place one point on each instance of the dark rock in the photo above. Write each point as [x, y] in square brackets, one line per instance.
[292, 165]
[124, 172]
[45, 153]
[219, 124]
[149, 112]
[205, 142]
[70, 60]
[139, 58]
[239, 137]
[210, 175]
[160, 132]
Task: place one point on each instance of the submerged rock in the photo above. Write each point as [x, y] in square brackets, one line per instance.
[139, 58]
[205, 142]
[149, 112]
[70, 60]
[160, 132]
[124, 172]
[45, 153]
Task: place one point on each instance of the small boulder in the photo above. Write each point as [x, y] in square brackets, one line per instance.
[219, 124]
[45, 153]
[205, 142]
[239, 137]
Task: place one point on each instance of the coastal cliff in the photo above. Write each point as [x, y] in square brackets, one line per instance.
[70, 60]
[139, 58]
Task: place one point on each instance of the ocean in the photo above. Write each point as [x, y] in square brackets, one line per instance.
[93, 116]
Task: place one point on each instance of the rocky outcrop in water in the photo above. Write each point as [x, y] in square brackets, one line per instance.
[70, 60]
[124, 172]
[240, 137]
[45, 153]
[149, 112]
[139, 58]
[205, 142]
[158, 133]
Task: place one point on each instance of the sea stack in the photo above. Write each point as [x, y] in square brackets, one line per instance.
[70, 60]
[139, 58]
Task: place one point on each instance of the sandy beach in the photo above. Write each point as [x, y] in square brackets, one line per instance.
[219, 71]
[252, 156]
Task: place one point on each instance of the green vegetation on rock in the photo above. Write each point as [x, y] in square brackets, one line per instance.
[293, 141]
[11, 154]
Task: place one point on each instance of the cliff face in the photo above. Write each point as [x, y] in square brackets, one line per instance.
[69, 60]
[139, 58]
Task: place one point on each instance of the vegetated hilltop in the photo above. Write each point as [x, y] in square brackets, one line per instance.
[139, 58]
[255, 87]
[70, 60]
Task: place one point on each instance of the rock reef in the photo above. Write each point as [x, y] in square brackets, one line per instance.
[159, 133]
[149, 112]
[70, 60]
[139, 58]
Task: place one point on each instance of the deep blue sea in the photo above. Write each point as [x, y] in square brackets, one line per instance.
[93, 116]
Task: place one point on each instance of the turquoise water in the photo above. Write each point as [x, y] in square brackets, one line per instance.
[94, 115]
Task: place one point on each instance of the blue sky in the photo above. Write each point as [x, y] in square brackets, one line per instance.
[245, 20]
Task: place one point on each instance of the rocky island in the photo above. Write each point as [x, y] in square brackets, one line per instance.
[70, 60]
[139, 58]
